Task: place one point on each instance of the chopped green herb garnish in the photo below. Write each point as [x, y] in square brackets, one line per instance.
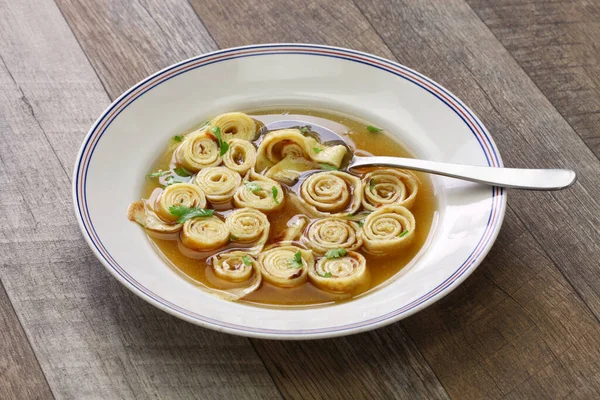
[233, 237]
[184, 213]
[275, 191]
[317, 150]
[371, 185]
[158, 174]
[404, 233]
[247, 261]
[327, 275]
[174, 179]
[361, 223]
[253, 186]
[336, 253]
[223, 146]
[373, 129]
[296, 262]
[306, 129]
[205, 123]
[177, 138]
[328, 167]
[182, 172]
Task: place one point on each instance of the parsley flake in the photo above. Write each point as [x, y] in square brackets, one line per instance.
[275, 191]
[158, 174]
[182, 172]
[177, 138]
[174, 179]
[373, 129]
[296, 262]
[306, 129]
[372, 185]
[328, 167]
[247, 261]
[184, 213]
[223, 146]
[317, 149]
[327, 275]
[336, 253]
[253, 186]
[404, 233]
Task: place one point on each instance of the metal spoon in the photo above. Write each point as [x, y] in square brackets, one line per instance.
[518, 178]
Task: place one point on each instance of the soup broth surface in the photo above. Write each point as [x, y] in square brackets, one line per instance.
[380, 268]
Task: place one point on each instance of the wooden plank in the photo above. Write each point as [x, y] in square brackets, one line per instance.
[92, 337]
[127, 41]
[413, 375]
[22, 377]
[335, 23]
[556, 43]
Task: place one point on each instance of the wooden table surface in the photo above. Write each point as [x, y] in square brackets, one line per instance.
[524, 325]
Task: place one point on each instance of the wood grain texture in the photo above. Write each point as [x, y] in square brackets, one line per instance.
[126, 41]
[558, 44]
[21, 375]
[516, 329]
[336, 23]
[413, 374]
[92, 337]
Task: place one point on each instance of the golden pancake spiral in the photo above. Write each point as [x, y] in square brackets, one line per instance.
[286, 266]
[204, 234]
[340, 275]
[388, 230]
[331, 193]
[240, 157]
[257, 192]
[389, 186]
[234, 125]
[178, 194]
[330, 233]
[248, 225]
[218, 183]
[198, 150]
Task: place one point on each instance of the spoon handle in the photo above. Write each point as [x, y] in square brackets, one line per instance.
[518, 178]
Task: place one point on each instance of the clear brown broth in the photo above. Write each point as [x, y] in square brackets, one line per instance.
[381, 268]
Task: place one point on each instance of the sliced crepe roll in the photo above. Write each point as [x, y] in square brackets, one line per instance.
[259, 192]
[141, 212]
[241, 156]
[388, 230]
[218, 183]
[204, 233]
[340, 275]
[331, 233]
[389, 186]
[248, 226]
[296, 152]
[234, 125]
[286, 266]
[178, 194]
[198, 150]
[331, 193]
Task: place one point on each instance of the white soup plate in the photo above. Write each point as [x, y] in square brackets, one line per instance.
[428, 119]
